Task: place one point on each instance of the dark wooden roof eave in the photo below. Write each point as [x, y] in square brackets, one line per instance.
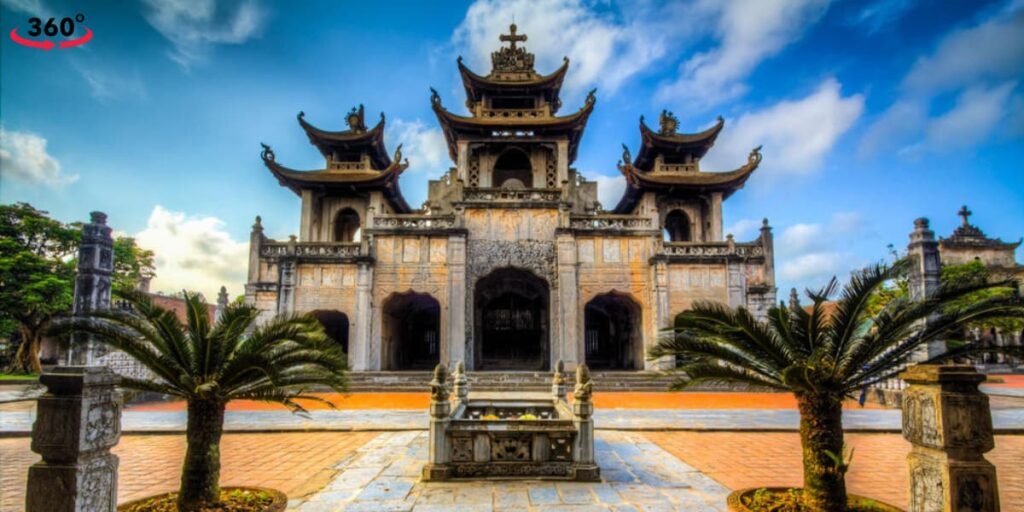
[385, 180]
[473, 82]
[327, 141]
[637, 182]
[653, 143]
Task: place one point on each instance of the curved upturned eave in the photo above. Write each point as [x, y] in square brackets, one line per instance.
[385, 179]
[697, 143]
[575, 122]
[638, 181]
[373, 137]
[553, 80]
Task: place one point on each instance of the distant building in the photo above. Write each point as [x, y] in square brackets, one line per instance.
[512, 263]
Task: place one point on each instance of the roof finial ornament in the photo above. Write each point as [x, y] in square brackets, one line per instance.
[267, 154]
[627, 159]
[668, 122]
[755, 156]
[512, 38]
[355, 119]
[398, 156]
[592, 96]
[964, 213]
[434, 96]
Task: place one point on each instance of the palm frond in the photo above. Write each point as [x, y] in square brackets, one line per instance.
[713, 373]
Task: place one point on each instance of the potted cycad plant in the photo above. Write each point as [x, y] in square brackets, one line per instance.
[208, 364]
[824, 358]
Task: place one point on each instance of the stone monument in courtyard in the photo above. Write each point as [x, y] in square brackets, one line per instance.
[512, 263]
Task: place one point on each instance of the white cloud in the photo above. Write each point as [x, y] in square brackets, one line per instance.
[609, 190]
[192, 26]
[972, 119]
[878, 15]
[105, 85]
[809, 254]
[23, 157]
[744, 229]
[891, 130]
[603, 51]
[797, 135]
[423, 146]
[750, 32]
[32, 7]
[193, 253]
[993, 50]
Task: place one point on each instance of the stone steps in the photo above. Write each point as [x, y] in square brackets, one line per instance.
[413, 381]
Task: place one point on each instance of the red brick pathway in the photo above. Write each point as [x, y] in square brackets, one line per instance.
[295, 463]
[879, 469]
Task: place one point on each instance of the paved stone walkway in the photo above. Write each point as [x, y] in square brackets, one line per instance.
[383, 475]
[877, 420]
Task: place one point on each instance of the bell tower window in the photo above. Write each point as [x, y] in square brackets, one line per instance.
[513, 170]
[677, 227]
[346, 226]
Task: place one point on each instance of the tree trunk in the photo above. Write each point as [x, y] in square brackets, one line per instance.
[27, 357]
[200, 477]
[821, 434]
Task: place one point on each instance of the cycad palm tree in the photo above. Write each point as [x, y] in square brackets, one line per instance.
[209, 364]
[824, 357]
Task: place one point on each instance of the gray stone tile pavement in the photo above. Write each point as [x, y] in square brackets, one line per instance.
[383, 475]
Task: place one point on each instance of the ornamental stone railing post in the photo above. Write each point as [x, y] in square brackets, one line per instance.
[460, 384]
[948, 422]
[437, 464]
[558, 387]
[583, 411]
[78, 420]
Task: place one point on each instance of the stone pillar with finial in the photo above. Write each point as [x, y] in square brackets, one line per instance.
[925, 273]
[255, 241]
[92, 285]
[584, 462]
[948, 422]
[222, 302]
[460, 384]
[437, 467]
[559, 390]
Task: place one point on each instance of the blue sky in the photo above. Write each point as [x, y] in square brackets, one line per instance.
[872, 113]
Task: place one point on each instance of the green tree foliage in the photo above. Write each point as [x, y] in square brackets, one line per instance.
[824, 358]
[37, 271]
[36, 275]
[210, 365]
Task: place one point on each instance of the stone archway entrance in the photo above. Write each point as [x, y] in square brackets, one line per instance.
[511, 321]
[411, 332]
[612, 334]
[335, 325]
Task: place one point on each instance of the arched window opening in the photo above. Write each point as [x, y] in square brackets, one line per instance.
[346, 226]
[335, 325]
[411, 332]
[513, 170]
[677, 227]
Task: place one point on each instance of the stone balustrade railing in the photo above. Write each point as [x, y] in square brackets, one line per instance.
[712, 249]
[311, 250]
[600, 222]
[414, 222]
[503, 195]
[536, 113]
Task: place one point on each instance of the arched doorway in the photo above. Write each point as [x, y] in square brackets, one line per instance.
[346, 226]
[511, 321]
[612, 333]
[335, 325]
[512, 169]
[677, 227]
[411, 332]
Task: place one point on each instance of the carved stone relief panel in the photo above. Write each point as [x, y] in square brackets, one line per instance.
[385, 249]
[438, 250]
[586, 250]
[410, 250]
[610, 251]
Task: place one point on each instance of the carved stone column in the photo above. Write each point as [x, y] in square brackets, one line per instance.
[948, 422]
[568, 346]
[92, 284]
[78, 421]
[923, 251]
[437, 467]
[583, 411]
[456, 299]
[361, 348]
[662, 310]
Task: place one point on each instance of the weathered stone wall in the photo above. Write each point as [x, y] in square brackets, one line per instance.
[326, 287]
[692, 282]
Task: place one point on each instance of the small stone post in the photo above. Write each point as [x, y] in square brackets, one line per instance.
[460, 384]
[948, 422]
[222, 303]
[78, 421]
[92, 285]
[558, 387]
[583, 410]
[437, 465]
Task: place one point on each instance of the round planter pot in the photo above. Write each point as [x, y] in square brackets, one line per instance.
[735, 504]
[278, 503]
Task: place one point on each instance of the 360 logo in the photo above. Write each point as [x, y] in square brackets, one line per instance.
[50, 28]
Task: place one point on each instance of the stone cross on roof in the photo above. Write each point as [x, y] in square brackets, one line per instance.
[964, 213]
[512, 38]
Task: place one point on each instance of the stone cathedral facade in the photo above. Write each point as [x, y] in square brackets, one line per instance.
[512, 263]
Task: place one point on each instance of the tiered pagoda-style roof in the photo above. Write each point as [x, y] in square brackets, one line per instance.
[969, 236]
[357, 161]
[513, 100]
[670, 162]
